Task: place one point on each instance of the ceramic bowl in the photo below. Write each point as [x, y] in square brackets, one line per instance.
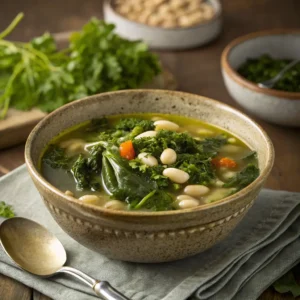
[166, 38]
[148, 236]
[271, 105]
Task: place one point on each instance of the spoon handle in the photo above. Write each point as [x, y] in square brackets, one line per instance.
[107, 292]
[101, 288]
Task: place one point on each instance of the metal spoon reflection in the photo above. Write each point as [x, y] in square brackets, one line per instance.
[268, 84]
[36, 250]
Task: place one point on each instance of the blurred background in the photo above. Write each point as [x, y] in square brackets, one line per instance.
[240, 17]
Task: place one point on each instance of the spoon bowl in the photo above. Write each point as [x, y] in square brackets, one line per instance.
[36, 250]
[32, 247]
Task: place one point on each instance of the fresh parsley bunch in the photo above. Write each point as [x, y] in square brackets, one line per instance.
[36, 74]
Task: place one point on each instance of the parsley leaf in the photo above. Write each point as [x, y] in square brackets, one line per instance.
[6, 211]
[36, 74]
[287, 283]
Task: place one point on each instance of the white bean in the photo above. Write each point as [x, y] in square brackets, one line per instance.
[184, 197]
[196, 190]
[73, 146]
[165, 125]
[168, 156]
[176, 175]
[115, 205]
[69, 193]
[205, 132]
[231, 140]
[188, 203]
[218, 183]
[228, 175]
[90, 199]
[148, 159]
[149, 133]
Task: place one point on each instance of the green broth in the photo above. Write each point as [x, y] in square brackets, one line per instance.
[72, 163]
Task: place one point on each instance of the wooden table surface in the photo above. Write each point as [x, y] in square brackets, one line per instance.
[197, 70]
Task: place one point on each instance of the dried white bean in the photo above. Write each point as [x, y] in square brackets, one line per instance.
[90, 199]
[175, 4]
[115, 205]
[207, 11]
[166, 125]
[155, 20]
[196, 190]
[148, 159]
[188, 203]
[176, 175]
[149, 133]
[168, 156]
[69, 193]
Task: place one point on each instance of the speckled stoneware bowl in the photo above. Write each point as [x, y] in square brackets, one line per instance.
[148, 236]
[166, 38]
[271, 105]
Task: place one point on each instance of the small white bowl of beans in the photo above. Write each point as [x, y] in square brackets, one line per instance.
[166, 24]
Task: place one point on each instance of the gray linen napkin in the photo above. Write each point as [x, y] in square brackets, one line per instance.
[263, 247]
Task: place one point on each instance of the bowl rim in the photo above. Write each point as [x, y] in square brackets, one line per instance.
[217, 15]
[247, 83]
[34, 172]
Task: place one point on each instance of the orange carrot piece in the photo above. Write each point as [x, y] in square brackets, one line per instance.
[127, 150]
[224, 162]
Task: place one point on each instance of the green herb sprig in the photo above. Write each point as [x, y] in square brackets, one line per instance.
[36, 74]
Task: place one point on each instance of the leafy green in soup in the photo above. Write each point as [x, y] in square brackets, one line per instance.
[150, 162]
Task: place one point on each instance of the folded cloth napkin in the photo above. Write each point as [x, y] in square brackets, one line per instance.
[262, 248]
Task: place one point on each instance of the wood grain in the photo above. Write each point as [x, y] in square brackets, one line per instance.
[197, 70]
[13, 290]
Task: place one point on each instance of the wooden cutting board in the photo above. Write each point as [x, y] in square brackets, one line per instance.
[17, 125]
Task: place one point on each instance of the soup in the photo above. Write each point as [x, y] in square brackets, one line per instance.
[150, 162]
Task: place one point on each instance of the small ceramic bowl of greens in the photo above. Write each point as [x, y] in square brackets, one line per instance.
[148, 175]
[258, 57]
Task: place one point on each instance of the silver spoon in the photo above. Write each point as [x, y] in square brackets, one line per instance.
[36, 250]
[268, 84]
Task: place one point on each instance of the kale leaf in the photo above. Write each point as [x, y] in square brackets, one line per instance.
[121, 182]
[128, 124]
[81, 172]
[6, 211]
[156, 200]
[56, 158]
[180, 142]
[94, 161]
[152, 173]
[98, 124]
[212, 145]
[198, 166]
[243, 178]
[86, 171]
